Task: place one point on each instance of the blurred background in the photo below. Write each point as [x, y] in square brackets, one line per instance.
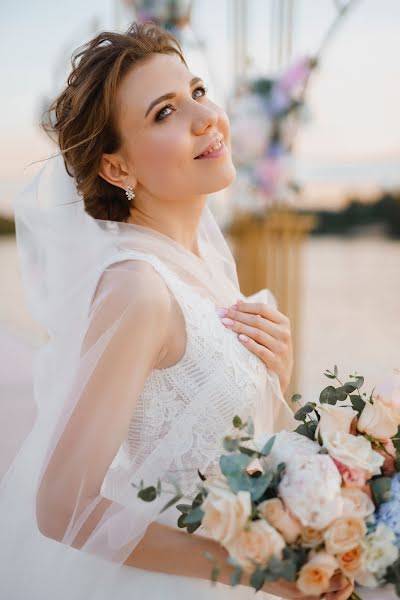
[312, 90]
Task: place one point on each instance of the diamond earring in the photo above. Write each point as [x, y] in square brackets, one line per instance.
[130, 194]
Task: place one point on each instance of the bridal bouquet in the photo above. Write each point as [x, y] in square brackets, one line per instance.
[302, 505]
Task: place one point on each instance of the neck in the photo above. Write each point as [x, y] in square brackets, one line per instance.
[179, 221]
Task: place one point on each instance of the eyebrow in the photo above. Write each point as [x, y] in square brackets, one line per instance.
[168, 96]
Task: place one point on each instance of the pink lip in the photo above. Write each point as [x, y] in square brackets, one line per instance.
[214, 153]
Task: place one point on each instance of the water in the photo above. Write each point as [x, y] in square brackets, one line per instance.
[351, 310]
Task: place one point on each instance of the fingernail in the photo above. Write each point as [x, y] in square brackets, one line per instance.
[222, 311]
[234, 306]
[243, 338]
[226, 321]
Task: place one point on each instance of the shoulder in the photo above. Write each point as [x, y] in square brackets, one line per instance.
[131, 304]
[135, 284]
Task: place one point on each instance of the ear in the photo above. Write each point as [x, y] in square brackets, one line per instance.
[114, 170]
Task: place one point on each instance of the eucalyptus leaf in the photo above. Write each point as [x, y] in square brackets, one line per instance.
[250, 427]
[301, 414]
[193, 526]
[232, 464]
[268, 446]
[200, 474]
[296, 397]
[148, 494]
[257, 579]
[357, 402]
[230, 444]
[328, 395]
[182, 521]
[194, 516]
[307, 429]
[341, 393]
[259, 485]
[236, 576]
[171, 502]
[184, 508]
[237, 422]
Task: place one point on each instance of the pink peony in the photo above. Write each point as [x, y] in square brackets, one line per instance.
[352, 476]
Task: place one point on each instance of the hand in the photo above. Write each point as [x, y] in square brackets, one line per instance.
[339, 589]
[267, 334]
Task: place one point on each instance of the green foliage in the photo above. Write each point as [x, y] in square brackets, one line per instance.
[381, 489]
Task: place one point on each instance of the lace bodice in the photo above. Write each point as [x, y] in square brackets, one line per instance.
[214, 360]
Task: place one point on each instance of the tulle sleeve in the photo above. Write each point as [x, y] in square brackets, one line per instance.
[124, 338]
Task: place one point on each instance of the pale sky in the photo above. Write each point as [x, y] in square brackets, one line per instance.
[354, 98]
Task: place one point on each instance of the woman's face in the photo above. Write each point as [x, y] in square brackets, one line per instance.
[161, 140]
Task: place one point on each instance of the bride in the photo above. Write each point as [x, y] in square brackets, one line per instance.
[151, 347]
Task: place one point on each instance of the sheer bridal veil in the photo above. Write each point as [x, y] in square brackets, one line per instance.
[82, 288]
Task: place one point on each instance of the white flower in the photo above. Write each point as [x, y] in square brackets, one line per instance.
[354, 451]
[379, 553]
[225, 513]
[334, 418]
[286, 445]
[310, 488]
[377, 420]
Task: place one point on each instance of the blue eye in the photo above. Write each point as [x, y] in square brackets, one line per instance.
[160, 112]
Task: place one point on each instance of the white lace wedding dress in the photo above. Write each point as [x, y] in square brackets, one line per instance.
[235, 378]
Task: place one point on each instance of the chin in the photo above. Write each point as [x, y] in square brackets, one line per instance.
[222, 181]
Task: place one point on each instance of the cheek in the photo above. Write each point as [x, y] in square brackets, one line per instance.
[165, 153]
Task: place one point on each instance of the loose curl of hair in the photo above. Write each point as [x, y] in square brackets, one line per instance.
[82, 118]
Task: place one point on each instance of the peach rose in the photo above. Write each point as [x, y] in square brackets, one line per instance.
[351, 562]
[377, 421]
[280, 518]
[312, 537]
[334, 418]
[344, 534]
[315, 575]
[388, 393]
[225, 513]
[356, 502]
[258, 542]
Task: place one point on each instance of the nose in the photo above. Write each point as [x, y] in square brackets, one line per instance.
[205, 116]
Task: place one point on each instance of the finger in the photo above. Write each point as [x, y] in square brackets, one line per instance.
[254, 320]
[258, 335]
[266, 355]
[260, 308]
[342, 595]
[337, 582]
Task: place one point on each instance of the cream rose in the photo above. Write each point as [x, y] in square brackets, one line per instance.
[280, 518]
[344, 534]
[356, 502]
[354, 451]
[377, 421]
[334, 418]
[351, 561]
[312, 537]
[315, 575]
[225, 513]
[258, 542]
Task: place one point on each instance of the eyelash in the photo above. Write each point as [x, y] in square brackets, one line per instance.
[158, 118]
